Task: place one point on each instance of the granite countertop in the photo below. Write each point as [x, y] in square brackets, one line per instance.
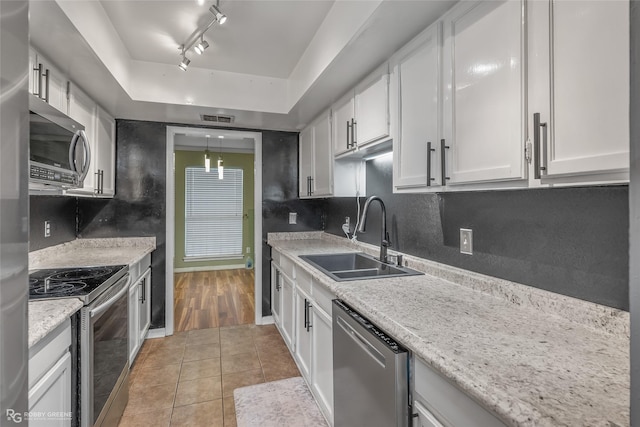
[45, 316]
[533, 358]
[93, 252]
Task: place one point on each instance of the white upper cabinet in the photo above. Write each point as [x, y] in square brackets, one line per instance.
[105, 154]
[484, 104]
[100, 131]
[372, 110]
[416, 108]
[343, 126]
[47, 82]
[316, 159]
[84, 110]
[579, 90]
[361, 117]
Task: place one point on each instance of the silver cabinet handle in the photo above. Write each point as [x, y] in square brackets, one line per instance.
[429, 151]
[354, 141]
[46, 85]
[348, 133]
[443, 165]
[37, 80]
[311, 186]
[537, 125]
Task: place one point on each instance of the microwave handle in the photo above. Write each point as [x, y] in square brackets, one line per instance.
[72, 152]
[87, 156]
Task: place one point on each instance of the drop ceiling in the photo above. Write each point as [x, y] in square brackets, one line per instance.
[273, 65]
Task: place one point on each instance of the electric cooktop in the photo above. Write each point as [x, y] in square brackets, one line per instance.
[85, 283]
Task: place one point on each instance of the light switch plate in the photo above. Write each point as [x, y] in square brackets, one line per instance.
[293, 218]
[466, 241]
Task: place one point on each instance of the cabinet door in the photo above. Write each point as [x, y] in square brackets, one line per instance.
[322, 157]
[322, 360]
[287, 310]
[105, 154]
[424, 418]
[484, 75]
[303, 332]
[372, 111]
[134, 320]
[144, 306]
[343, 116]
[54, 86]
[305, 186]
[418, 82]
[83, 110]
[33, 71]
[52, 394]
[581, 78]
[276, 294]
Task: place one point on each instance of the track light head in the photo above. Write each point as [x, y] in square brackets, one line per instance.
[201, 46]
[184, 63]
[220, 17]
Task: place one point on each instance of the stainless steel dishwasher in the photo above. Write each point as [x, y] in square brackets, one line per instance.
[370, 373]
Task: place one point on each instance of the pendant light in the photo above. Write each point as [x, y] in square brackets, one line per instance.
[220, 161]
[207, 158]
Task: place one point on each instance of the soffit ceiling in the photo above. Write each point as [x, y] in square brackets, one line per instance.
[261, 37]
[273, 65]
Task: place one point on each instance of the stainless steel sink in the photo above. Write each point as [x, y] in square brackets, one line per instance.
[355, 266]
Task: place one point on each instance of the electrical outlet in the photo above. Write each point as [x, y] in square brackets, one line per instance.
[47, 228]
[347, 221]
[466, 241]
[293, 218]
[248, 249]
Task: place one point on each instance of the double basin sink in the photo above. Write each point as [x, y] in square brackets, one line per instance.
[356, 266]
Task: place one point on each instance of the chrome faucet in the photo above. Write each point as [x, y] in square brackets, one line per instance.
[384, 238]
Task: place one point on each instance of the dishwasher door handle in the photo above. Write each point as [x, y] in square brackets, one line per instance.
[362, 342]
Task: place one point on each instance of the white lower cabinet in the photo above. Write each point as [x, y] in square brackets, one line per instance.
[301, 310]
[437, 402]
[322, 360]
[303, 332]
[139, 305]
[50, 379]
[287, 311]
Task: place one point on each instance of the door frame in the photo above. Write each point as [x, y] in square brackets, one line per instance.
[172, 131]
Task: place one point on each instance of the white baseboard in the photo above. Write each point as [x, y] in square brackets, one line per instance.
[156, 333]
[208, 268]
[267, 320]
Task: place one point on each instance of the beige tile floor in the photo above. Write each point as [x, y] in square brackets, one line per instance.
[188, 379]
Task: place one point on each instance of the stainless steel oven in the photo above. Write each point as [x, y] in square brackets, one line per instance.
[104, 356]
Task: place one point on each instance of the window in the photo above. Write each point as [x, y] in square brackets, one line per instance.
[213, 213]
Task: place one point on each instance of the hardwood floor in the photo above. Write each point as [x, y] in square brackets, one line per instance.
[211, 299]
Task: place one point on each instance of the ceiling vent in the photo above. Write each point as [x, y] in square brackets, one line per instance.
[217, 118]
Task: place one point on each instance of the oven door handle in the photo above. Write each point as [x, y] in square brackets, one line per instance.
[108, 303]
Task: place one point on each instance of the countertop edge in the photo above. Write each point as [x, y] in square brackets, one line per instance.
[45, 316]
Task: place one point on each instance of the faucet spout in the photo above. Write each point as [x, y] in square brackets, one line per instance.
[384, 236]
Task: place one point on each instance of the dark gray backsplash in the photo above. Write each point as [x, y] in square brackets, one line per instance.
[280, 196]
[572, 241]
[138, 209]
[60, 211]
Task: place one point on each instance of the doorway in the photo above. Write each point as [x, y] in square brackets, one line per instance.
[212, 291]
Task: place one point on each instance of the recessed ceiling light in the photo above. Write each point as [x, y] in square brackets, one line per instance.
[221, 136]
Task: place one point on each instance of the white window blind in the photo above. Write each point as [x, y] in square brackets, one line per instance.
[213, 213]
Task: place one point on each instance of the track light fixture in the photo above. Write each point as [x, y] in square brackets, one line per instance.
[184, 63]
[201, 45]
[196, 39]
[220, 17]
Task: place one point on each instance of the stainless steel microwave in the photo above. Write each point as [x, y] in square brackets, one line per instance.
[59, 152]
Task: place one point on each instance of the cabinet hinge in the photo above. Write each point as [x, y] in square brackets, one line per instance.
[527, 152]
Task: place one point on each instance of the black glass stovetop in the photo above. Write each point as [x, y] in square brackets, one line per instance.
[85, 283]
